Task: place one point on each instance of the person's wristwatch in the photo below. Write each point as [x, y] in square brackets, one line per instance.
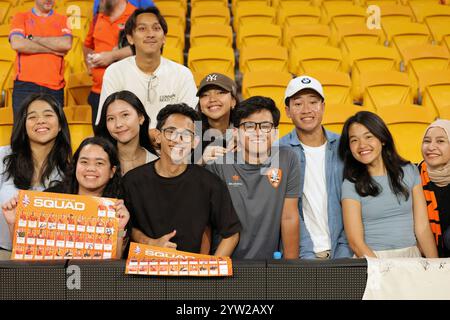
[30, 37]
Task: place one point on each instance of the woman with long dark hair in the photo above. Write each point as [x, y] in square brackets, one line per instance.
[95, 171]
[384, 208]
[125, 123]
[39, 153]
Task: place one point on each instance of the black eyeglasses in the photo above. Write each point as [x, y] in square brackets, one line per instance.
[250, 126]
[172, 134]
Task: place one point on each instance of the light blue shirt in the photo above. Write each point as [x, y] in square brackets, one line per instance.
[9, 190]
[387, 219]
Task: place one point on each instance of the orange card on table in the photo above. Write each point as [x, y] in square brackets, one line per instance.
[150, 260]
[64, 226]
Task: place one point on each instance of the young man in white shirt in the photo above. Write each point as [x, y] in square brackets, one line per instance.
[155, 80]
[322, 231]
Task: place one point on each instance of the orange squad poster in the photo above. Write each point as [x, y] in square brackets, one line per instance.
[155, 261]
[53, 226]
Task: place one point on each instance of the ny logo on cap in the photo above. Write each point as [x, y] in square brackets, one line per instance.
[211, 77]
[306, 80]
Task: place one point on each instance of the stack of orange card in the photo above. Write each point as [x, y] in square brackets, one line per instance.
[155, 261]
[62, 226]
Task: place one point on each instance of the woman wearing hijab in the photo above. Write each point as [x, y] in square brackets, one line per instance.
[435, 176]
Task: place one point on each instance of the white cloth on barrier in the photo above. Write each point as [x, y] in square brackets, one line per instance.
[407, 278]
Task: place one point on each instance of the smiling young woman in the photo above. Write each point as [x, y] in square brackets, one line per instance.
[39, 153]
[435, 176]
[383, 204]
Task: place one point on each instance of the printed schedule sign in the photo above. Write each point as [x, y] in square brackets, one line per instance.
[156, 261]
[62, 226]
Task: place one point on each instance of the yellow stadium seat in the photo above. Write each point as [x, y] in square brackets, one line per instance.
[206, 59]
[431, 12]
[407, 124]
[174, 54]
[174, 14]
[336, 86]
[368, 58]
[213, 13]
[21, 8]
[404, 35]
[175, 37]
[13, 3]
[395, 13]
[7, 59]
[284, 129]
[239, 3]
[337, 14]
[335, 115]
[434, 87]
[79, 26]
[297, 13]
[377, 2]
[80, 123]
[263, 58]
[425, 58]
[249, 14]
[199, 3]
[269, 84]
[356, 34]
[180, 3]
[444, 112]
[386, 88]
[76, 8]
[413, 2]
[440, 31]
[285, 3]
[78, 86]
[75, 57]
[259, 34]
[315, 58]
[4, 8]
[169, 5]
[298, 36]
[8, 89]
[292, 13]
[6, 125]
[318, 3]
[211, 34]
[4, 35]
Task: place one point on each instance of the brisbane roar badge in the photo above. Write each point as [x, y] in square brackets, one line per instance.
[274, 175]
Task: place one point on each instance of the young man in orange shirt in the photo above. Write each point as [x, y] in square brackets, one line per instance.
[101, 45]
[41, 38]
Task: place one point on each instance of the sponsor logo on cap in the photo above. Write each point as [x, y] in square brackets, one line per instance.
[306, 80]
[211, 77]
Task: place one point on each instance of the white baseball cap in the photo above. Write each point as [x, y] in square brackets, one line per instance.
[300, 83]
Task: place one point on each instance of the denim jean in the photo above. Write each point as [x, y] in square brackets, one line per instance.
[22, 89]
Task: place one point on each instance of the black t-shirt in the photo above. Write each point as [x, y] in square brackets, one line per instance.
[186, 203]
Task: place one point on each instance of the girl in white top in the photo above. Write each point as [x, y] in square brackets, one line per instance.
[124, 122]
[39, 154]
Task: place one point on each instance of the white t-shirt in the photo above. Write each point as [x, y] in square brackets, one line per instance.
[170, 83]
[314, 198]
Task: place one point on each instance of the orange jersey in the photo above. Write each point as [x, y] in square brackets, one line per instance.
[104, 36]
[44, 69]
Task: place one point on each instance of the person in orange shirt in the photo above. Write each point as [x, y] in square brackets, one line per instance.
[101, 45]
[41, 38]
